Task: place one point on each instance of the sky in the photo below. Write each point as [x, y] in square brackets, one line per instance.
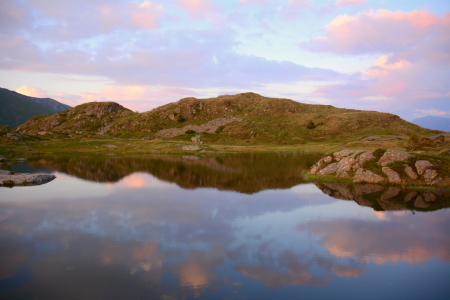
[390, 56]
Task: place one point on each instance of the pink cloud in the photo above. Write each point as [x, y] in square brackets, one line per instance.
[379, 31]
[199, 8]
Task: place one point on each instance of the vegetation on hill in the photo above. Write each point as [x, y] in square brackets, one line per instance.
[16, 109]
[258, 121]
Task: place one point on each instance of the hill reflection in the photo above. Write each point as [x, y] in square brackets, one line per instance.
[245, 173]
[383, 197]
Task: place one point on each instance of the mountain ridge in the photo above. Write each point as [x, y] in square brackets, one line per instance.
[16, 108]
[433, 122]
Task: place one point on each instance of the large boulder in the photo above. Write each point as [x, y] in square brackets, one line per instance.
[367, 176]
[391, 156]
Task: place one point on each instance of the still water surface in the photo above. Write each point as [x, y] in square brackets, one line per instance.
[242, 226]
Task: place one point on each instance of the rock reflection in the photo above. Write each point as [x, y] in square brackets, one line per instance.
[383, 197]
[246, 173]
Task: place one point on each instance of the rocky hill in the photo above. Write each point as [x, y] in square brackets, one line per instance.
[96, 117]
[242, 118]
[16, 109]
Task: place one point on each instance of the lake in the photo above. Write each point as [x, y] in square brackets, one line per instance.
[244, 226]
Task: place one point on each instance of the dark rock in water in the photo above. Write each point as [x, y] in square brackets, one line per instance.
[24, 179]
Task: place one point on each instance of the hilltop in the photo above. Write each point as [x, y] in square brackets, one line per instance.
[246, 118]
[16, 109]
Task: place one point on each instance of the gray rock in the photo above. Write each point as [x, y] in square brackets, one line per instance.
[3, 159]
[345, 164]
[391, 156]
[378, 138]
[410, 172]
[429, 175]
[27, 178]
[366, 156]
[327, 159]
[21, 159]
[368, 188]
[367, 176]
[343, 175]
[422, 165]
[110, 146]
[191, 148]
[316, 167]
[196, 139]
[330, 169]
[356, 167]
[343, 153]
[392, 176]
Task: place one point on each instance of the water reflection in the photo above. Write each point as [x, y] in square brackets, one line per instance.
[384, 197]
[244, 173]
[141, 237]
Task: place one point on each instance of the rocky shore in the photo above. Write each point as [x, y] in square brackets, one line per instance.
[9, 179]
[383, 166]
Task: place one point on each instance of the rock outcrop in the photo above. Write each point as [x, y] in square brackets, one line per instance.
[8, 178]
[383, 166]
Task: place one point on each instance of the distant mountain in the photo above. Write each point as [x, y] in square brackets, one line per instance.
[16, 109]
[431, 122]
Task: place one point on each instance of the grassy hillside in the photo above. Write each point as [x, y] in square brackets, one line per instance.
[263, 120]
[16, 109]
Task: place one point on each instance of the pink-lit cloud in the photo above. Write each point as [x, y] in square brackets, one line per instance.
[31, 91]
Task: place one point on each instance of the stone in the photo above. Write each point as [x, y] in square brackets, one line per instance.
[345, 164]
[391, 192]
[3, 159]
[196, 139]
[327, 159]
[147, 138]
[191, 148]
[330, 169]
[410, 172]
[343, 153]
[366, 156]
[344, 175]
[429, 175]
[367, 176]
[422, 165]
[392, 176]
[391, 156]
[110, 146]
[27, 178]
[316, 167]
[21, 159]
[356, 167]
